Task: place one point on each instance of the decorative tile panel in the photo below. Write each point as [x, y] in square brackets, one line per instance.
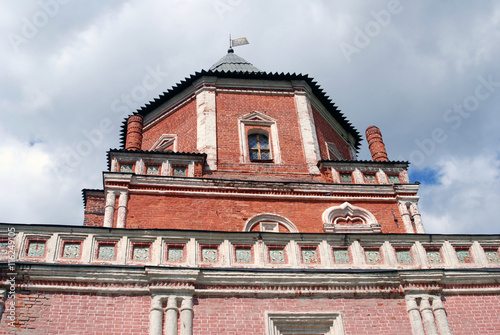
[277, 255]
[346, 178]
[309, 256]
[153, 169]
[179, 171]
[370, 179]
[106, 251]
[341, 256]
[175, 254]
[210, 255]
[243, 255]
[463, 256]
[393, 179]
[141, 253]
[127, 168]
[4, 248]
[71, 250]
[434, 256]
[492, 256]
[36, 249]
[404, 256]
[372, 256]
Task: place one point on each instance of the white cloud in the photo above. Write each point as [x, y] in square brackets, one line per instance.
[466, 195]
[31, 192]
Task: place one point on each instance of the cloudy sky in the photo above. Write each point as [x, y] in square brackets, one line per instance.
[425, 72]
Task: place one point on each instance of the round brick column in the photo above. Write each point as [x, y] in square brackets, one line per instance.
[376, 144]
[134, 132]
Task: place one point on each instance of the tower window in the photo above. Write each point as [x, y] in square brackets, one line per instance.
[258, 147]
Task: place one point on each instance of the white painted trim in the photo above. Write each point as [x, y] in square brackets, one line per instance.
[284, 322]
[206, 125]
[165, 141]
[307, 132]
[270, 217]
[263, 121]
[348, 211]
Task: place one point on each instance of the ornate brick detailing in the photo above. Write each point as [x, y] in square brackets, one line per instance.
[348, 218]
[134, 132]
[376, 144]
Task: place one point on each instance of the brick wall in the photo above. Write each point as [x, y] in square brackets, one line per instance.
[231, 106]
[182, 122]
[94, 210]
[78, 314]
[473, 314]
[231, 213]
[233, 315]
[325, 133]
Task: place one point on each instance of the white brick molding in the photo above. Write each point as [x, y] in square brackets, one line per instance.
[270, 217]
[165, 141]
[258, 119]
[206, 125]
[282, 322]
[308, 134]
[346, 211]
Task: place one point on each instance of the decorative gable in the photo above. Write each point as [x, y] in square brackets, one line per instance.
[165, 141]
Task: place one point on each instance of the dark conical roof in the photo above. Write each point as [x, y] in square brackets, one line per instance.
[233, 63]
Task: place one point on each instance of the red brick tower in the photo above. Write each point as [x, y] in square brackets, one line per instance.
[236, 144]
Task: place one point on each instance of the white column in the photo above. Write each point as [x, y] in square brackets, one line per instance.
[156, 316]
[428, 316]
[3, 297]
[403, 210]
[382, 177]
[419, 227]
[414, 314]
[389, 254]
[421, 253]
[140, 167]
[109, 211]
[441, 318]
[171, 313]
[187, 316]
[122, 209]
[206, 125]
[357, 177]
[358, 253]
[307, 131]
[478, 254]
[449, 254]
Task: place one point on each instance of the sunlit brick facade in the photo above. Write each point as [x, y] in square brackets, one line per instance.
[237, 205]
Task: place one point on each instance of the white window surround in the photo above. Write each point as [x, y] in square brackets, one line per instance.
[332, 150]
[258, 119]
[165, 141]
[278, 323]
[264, 219]
[332, 215]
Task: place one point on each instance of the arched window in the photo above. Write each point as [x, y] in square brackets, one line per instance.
[258, 147]
[269, 222]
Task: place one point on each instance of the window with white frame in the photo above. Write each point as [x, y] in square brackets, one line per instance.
[259, 140]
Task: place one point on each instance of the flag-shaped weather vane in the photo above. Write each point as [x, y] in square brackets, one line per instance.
[237, 41]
